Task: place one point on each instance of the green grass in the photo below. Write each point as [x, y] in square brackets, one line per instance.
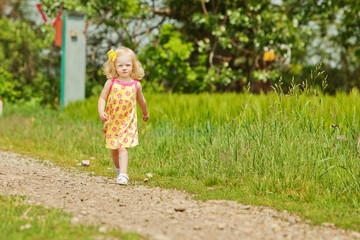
[276, 150]
[24, 221]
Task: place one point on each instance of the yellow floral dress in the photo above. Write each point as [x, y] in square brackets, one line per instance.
[121, 128]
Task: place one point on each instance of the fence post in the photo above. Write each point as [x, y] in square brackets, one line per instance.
[73, 58]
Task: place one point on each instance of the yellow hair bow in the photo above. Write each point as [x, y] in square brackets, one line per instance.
[112, 55]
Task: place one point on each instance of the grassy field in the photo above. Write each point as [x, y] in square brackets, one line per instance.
[23, 221]
[298, 152]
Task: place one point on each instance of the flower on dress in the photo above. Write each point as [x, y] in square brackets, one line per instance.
[114, 129]
[127, 93]
[117, 108]
[112, 117]
[108, 136]
[114, 101]
[115, 90]
[120, 145]
[120, 101]
[119, 95]
[123, 122]
[117, 122]
[107, 108]
[132, 99]
[121, 134]
[122, 87]
[131, 135]
[133, 90]
[124, 107]
[120, 116]
[116, 136]
[131, 128]
[112, 143]
[125, 140]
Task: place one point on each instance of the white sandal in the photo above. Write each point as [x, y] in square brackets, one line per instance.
[122, 179]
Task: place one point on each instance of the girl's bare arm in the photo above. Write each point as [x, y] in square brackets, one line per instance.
[102, 101]
[142, 102]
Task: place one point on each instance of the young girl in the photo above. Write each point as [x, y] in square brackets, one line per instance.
[121, 92]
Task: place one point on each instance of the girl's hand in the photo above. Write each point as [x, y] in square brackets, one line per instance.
[146, 117]
[104, 117]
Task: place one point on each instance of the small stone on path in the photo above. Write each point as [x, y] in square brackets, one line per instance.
[85, 163]
[326, 224]
[26, 226]
[245, 207]
[179, 209]
[74, 220]
[197, 227]
[221, 226]
[102, 229]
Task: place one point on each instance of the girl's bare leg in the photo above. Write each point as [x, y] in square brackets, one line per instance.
[123, 159]
[115, 157]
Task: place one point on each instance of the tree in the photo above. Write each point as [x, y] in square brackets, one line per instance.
[195, 46]
[227, 40]
[111, 24]
[234, 35]
[24, 65]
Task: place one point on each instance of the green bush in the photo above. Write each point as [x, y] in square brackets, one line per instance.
[26, 62]
[167, 63]
[7, 86]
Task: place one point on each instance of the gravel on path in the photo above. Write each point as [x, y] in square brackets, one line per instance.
[153, 212]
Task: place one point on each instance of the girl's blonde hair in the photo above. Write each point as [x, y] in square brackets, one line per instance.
[110, 70]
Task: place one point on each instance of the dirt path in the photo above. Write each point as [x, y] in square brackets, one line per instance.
[149, 211]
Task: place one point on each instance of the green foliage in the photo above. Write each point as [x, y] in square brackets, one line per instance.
[92, 9]
[234, 36]
[7, 87]
[111, 24]
[23, 61]
[167, 62]
[189, 46]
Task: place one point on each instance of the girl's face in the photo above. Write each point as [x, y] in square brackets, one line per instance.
[124, 65]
